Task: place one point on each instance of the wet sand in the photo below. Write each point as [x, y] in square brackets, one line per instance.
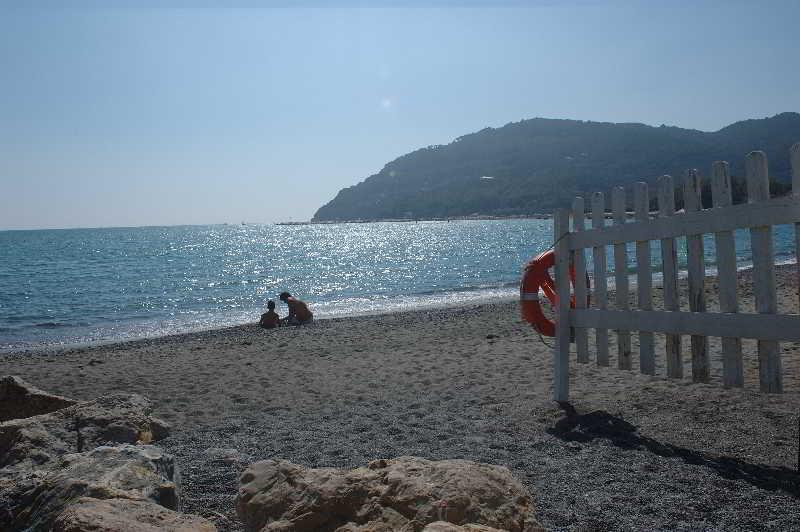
[638, 452]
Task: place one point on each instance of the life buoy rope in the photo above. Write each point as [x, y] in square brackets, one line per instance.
[536, 277]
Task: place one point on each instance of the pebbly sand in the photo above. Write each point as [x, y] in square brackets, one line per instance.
[638, 452]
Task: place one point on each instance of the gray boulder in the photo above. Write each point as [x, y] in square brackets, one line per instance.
[443, 526]
[405, 493]
[116, 418]
[132, 472]
[83, 452]
[18, 399]
[115, 515]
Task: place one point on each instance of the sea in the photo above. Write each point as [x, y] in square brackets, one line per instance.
[82, 286]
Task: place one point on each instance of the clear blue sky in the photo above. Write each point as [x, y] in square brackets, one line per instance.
[132, 116]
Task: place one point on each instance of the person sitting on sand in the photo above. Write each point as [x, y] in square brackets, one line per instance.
[270, 319]
[298, 311]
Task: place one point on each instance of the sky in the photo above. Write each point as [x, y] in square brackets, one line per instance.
[129, 116]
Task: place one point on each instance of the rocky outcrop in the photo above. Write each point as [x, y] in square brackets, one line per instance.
[95, 449]
[18, 399]
[115, 418]
[131, 472]
[443, 526]
[406, 493]
[115, 515]
[402, 526]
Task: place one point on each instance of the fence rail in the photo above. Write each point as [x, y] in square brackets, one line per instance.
[758, 216]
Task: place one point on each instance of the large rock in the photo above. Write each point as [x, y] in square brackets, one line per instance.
[116, 515]
[18, 399]
[133, 472]
[52, 462]
[116, 418]
[406, 493]
[438, 526]
[31, 447]
[444, 526]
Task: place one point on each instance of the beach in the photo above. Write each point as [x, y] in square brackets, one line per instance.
[472, 382]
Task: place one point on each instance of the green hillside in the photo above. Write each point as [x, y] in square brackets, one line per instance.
[532, 166]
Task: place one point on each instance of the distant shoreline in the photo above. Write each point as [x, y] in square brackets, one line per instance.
[433, 219]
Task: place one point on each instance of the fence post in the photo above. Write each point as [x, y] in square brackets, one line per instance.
[644, 280]
[621, 279]
[795, 156]
[732, 370]
[581, 334]
[669, 260]
[697, 271]
[561, 351]
[769, 355]
[600, 273]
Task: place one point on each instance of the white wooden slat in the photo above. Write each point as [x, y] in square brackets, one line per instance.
[795, 157]
[721, 192]
[579, 261]
[600, 280]
[644, 280]
[778, 327]
[669, 261]
[769, 358]
[696, 279]
[776, 211]
[561, 352]
[621, 279]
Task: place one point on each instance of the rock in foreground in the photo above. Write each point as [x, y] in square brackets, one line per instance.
[406, 493]
[18, 399]
[116, 515]
[443, 526]
[130, 472]
[52, 466]
[110, 419]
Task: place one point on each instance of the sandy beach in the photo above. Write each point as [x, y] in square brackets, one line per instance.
[638, 452]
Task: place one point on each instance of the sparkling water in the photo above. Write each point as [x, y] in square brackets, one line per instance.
[85, 285]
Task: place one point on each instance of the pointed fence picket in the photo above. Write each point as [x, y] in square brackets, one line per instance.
[696, 270]
[621, 279]
[721, 192]
[579, 260]
[600, 272]
[669, 260]
[795, 156]
[758, 216]
[644, 279]
[769, 356]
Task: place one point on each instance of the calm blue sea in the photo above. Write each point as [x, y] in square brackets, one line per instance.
[85, 285]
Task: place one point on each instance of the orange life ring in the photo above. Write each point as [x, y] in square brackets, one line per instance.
[536, 277]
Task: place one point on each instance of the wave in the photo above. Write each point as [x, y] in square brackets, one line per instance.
[50, 325]
[466, 288]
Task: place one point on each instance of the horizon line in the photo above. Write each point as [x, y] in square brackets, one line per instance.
[143, 226]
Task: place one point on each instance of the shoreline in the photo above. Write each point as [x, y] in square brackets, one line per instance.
[56, 348]
[632, 280]
[541, 216]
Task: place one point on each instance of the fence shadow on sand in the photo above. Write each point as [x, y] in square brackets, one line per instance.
[602, 425]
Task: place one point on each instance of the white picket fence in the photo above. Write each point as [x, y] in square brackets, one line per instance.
[758, 215]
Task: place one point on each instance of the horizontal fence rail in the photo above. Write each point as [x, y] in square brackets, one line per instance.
[778, 211]
[778, 327]
[665, 225]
